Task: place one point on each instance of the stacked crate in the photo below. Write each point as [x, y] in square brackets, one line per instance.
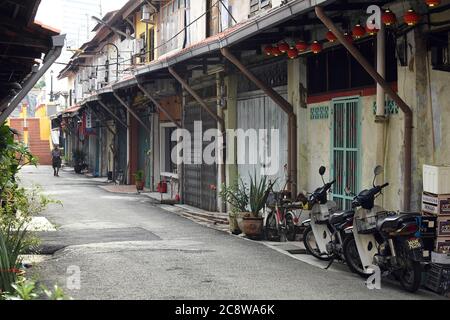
[436, 212]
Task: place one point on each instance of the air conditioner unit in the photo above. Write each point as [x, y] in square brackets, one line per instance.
[147, 14]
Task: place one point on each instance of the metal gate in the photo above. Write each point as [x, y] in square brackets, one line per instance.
[199, 180]
[345, 149]
[257, 111]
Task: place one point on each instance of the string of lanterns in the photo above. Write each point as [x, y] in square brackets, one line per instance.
[388, 18]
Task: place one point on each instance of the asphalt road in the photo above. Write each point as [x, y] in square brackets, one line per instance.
[126, 247]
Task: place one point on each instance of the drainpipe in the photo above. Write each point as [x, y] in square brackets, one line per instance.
[285, 106]
[381, 117]
[50, 58]
[408, 120]
[222, 171]
[156, 103]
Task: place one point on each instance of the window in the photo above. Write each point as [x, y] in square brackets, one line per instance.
[335, 69]
[170, 24]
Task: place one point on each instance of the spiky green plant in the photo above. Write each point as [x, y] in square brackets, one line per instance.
[259, 192]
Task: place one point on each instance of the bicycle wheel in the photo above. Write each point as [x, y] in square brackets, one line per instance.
[271, 228]
[290, 227]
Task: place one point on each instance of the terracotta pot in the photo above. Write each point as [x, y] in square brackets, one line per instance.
[253, 227]
[140, 185]
[240, 219]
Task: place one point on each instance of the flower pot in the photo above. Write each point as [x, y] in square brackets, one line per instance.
[140, 185]
[233, 223]
[253, 226]
[240, 219]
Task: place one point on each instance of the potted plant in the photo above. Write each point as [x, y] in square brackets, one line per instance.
[79, 157]
[139, 180]
[237, 197]
[247, 204]
[258, 194]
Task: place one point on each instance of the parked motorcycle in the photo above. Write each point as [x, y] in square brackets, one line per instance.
[384, 239]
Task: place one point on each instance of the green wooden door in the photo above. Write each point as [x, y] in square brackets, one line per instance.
[345, 162]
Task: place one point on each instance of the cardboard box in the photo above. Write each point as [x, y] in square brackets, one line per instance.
[436, 204]
[436, 179]
[443, 245]
[443, 226]
[441, 258]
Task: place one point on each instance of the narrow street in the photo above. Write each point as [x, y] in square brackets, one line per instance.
[129, 248]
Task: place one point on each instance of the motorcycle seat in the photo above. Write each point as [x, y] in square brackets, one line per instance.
[341, 216]
[392, 223]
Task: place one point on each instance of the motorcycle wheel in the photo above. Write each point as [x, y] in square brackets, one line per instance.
[411, 276]
[311, 245]
[271, 229]
[352, 258]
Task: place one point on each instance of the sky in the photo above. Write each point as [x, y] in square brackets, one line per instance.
[50, 11]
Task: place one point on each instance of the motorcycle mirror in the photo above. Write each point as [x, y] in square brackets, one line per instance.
[378, 170]
[322, 170]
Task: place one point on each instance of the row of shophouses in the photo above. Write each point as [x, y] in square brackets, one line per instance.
[157, 66]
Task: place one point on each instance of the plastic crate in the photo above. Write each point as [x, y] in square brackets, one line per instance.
[438, 278]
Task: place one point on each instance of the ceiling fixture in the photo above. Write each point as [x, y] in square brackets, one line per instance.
[358, 31]
[316, 47]
[411, 17]
[301, 46]
[388, 17]
[433, 3]
[330, 36]
[283, 46]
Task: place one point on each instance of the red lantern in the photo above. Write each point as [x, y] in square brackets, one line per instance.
[348, 37]
[433, 3]
[371, 32]
[411, 18]
[316, 47]
[301, 46]
[276, 51]
[330, 36]
[292, 53]
[389, 17]
[358, 31]
[283, 46]
[268, 50]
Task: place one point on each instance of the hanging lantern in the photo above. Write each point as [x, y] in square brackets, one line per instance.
[316, 47]
[411, 18]
[389, 17]
[330, 36]
[348, 37]
[433, 3]
[301, 46]
[283, 46]
[371, 32]
[358, 31]
[276, 52]
[292, 53]
[268, 50]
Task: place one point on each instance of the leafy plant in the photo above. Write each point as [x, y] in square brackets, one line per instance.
[28, 290]
[236, 195]
[139, 175]
[259, 191]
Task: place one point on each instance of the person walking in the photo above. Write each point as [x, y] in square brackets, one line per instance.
[56, 160]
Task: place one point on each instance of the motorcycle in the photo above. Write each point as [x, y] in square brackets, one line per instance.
[328, 235]
[384, 239]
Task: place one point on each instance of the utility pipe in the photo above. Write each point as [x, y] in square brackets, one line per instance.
[123, 103]
[285, 106]
[156, 103]
[196, 97]
[50, 58]
[222, 171]
[408, 121]
[112, 114]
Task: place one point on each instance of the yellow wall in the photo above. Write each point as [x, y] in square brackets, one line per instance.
[44, 123]
[142, 28]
